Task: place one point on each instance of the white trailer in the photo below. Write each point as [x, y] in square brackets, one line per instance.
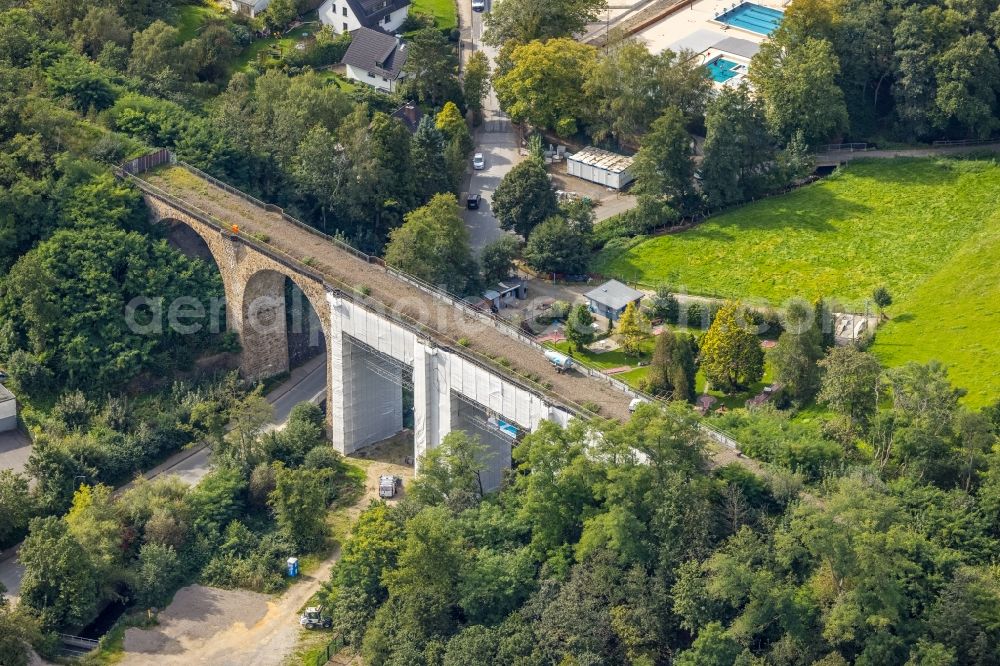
[600, 166]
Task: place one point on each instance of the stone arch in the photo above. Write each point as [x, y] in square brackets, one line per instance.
[253, 281]
[263, 321]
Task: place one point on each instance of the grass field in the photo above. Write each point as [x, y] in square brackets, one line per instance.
[443, 11]
[954, 317]
[928, 229]
[191, 18]
[877, 222]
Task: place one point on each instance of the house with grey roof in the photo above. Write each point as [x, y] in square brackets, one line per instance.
[375, 58]
[611, 298]
[350, 15]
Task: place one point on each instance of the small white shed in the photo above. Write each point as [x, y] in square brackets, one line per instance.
[600, 166]
[8, 410]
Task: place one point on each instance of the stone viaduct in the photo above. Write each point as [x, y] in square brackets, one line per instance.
[371, 357]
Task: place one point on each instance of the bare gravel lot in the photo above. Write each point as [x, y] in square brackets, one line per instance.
[206, 625]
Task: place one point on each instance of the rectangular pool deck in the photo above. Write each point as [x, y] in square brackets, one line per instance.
[696, 26]
[752, 17]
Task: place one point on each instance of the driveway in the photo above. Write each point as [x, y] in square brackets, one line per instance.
[495, 139]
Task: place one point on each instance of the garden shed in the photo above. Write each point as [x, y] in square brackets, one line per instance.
[8, 410]
[600, 166]
[611, 298]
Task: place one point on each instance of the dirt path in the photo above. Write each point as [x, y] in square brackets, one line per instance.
[205, 625]
[836, 157]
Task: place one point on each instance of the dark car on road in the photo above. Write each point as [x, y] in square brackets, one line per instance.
[472, 203]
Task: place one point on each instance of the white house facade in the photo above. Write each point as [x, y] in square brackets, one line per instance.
[350, 15]
[376, 59]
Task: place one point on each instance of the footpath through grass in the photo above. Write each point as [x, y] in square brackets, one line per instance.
[928, 229]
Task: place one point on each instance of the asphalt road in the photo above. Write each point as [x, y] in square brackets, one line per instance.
[495, 139]
[307, 382]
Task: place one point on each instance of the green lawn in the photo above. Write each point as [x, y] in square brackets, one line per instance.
[928, 229]
[607, 360]
[191, 19]
[282, 44]
[954, 317]
[876, 222]
[444, 11]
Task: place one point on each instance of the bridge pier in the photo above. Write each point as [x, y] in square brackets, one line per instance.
[262, 326]
[365, 393]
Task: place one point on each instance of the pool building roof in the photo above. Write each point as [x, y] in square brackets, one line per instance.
[740, 47]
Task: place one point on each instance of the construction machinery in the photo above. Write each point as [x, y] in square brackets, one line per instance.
[313, 618]
[388, 484]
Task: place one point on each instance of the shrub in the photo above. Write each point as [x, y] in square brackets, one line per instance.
[559, 310]
[323, 457]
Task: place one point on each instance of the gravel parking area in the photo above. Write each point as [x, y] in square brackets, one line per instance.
[196, 614]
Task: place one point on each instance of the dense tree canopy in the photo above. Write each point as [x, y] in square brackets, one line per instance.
[69, 296]
[433, 245]
[524, 197]
[544, 86]
[526, 20]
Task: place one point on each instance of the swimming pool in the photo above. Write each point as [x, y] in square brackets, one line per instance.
[755, 18]
[722, 70]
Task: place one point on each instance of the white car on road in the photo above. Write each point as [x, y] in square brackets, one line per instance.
[479, 5]
[478, 162]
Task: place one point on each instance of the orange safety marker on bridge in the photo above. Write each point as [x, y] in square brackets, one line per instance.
[235, 228]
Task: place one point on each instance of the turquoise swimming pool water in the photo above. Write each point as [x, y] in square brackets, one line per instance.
[722, 70]
[755, 18]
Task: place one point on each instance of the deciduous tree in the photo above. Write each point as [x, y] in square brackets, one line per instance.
[525, 20]
[797, 352]
[476, 82]
[738, 148]
[60, 582]
[544, 86]
[579, 327]
[632, 328]
[430, 68]
[882, 299]
[731, 355]
[850, 383]
[664, 166]
[433, 245]
[451, 473]
[524, 198]
[798, 85]
[556, 246]
[672, 369]
[632, 87]
[299, 503]
[497, 258]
